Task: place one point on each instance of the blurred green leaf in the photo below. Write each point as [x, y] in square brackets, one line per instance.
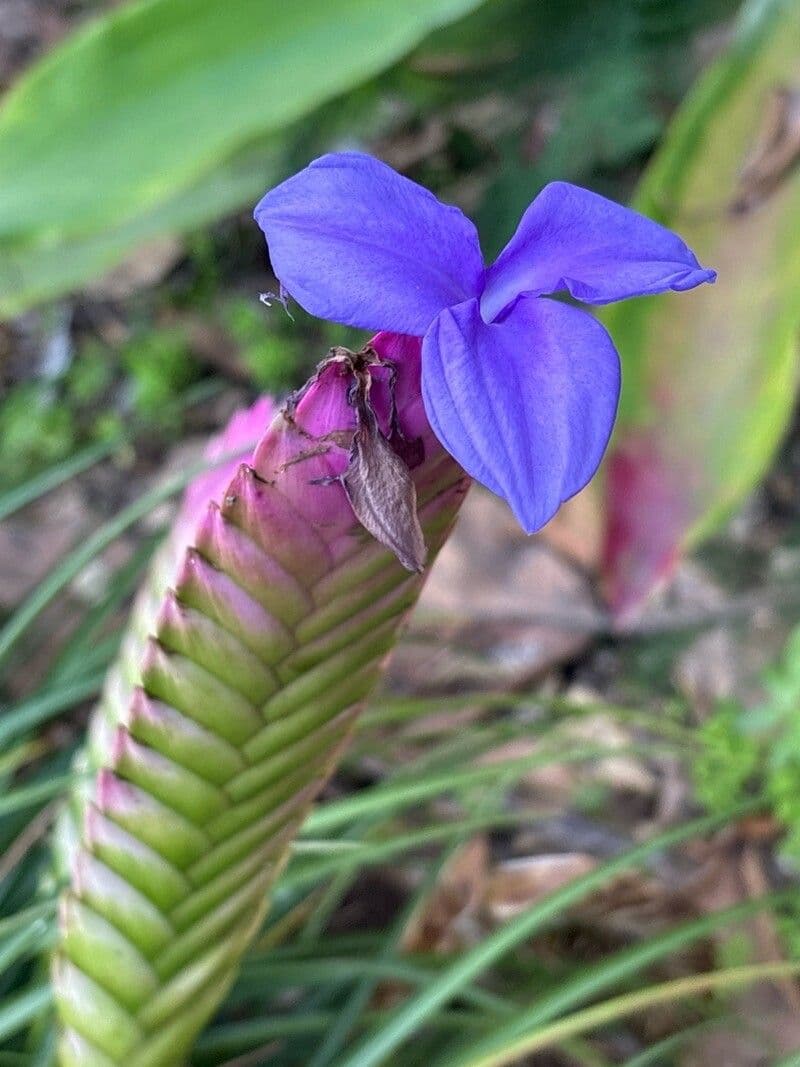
[610, 1011]
[52, 477]
[69, 567]
[584, 97]
[43, 266]
[160, 368]
[35, 429]
[44, 706]
[596, 978]
[18, 1011]
[34, 796]
[709, 376]
[726, 760]
[390, 798]
[158, 115]
[24, 943]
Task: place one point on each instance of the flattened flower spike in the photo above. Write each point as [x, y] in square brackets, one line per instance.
[520, 389]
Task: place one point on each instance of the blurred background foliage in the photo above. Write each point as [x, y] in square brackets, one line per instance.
[134, 139]
[482, 112]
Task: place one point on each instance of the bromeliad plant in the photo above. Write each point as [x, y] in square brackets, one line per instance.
[270, 611]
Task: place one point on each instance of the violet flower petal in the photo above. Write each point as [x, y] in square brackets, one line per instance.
[526, 405]
[573, 239]
[353, 241]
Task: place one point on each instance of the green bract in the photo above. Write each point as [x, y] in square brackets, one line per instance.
[263, 625]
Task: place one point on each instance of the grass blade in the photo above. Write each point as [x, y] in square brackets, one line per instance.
[43, 483]
[415, 1012]
[619, 1007]
[19, 1011]
[594, 980]
[73, 564]
[18, 720]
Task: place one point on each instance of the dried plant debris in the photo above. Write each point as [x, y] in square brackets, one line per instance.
[377, 478]
[382, 494]
[776, 152]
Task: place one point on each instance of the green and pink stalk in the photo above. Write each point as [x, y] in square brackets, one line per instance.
[264, 625]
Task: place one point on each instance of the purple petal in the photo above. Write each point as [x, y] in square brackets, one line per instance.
[570, 238]
[526, 406]
[354, 242]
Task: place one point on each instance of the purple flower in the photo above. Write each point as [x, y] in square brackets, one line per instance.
[520, 389]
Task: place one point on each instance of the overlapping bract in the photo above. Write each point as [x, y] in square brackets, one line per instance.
[264, 624]
[521, 391]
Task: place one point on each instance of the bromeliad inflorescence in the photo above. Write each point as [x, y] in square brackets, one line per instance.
[262, 627]
[521, 390]
[267, 617]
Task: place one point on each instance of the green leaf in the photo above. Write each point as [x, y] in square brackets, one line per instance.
[161, 114]
[21, 920]
[710, 375]
[41, 268]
